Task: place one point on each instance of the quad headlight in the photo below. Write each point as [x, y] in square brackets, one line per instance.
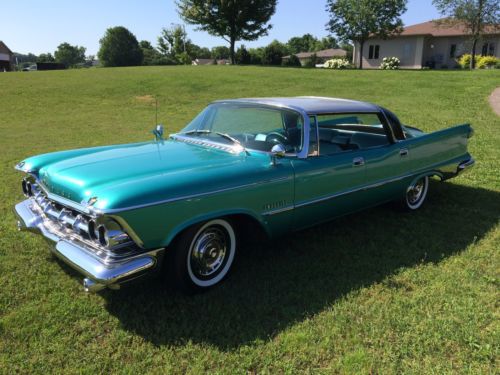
[107, 232]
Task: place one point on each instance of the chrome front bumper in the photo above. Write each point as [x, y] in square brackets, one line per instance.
[99, 273]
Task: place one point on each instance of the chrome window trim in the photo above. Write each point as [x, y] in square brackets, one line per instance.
[305, 117]
[387, 128]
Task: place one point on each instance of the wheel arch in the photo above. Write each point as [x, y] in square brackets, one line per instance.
[246, 224]
[432, 173]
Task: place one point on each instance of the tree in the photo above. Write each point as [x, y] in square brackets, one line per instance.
[273, 53]
[151, 56]
[197, 52]
[69, 55]
[256, 55]
[326, 43]
[220, 52]
[119, 47]
[474, 15]
[233, 20]
[45, 57]
[357, 20]
[304, 43]
[293, 60]
[243, 56]
[172, 41]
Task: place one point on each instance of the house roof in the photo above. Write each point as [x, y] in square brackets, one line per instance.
[310, 104]
[331, 52]
[441, 28]
[4, 46]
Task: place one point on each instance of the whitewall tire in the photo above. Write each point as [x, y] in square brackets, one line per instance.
[203, 255]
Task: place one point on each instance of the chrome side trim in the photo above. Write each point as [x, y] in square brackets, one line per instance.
[350, 191]
[185, 197]
[339, 194]
[278, 210]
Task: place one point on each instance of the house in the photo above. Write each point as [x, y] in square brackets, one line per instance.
[7, 61]
[321, 56]
[430, 44]
[203, 62]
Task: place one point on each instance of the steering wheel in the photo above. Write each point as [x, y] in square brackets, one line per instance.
[275, 137]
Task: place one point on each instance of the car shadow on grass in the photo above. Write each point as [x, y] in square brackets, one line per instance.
[279, 283]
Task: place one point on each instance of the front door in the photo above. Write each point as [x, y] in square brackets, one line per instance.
[327, 186]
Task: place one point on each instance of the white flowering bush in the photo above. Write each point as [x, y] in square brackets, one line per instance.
[337, 64]
[390, 63]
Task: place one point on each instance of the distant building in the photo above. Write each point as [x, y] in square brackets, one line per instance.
[7, 61]
[429, 44]
[321, 56]
[203, 62]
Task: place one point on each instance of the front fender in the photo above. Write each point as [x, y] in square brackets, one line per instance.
[213, 215]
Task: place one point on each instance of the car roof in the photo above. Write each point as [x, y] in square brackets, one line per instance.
[311, 104]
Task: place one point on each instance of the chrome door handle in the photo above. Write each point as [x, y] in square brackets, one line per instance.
[403, 152]
[357, 162]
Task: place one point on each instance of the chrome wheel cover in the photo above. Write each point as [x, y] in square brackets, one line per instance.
[211, 253]
[417, 192]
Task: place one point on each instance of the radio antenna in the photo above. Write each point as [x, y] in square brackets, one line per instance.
[156, 112]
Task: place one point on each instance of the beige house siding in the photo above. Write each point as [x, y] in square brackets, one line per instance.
[407, 49]
[418, 51]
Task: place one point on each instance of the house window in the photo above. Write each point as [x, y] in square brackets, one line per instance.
[488, 49]
[453, 51]
[373, 51]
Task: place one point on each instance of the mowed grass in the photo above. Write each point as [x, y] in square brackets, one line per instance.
[375, 292]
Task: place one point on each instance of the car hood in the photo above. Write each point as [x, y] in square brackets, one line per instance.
[137, 174]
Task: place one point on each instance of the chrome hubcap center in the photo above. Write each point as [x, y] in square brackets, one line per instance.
[415, 192]
[209, 251]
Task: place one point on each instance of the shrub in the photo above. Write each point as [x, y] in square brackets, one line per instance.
[390, 63]
[464, 60]
[487, 62]
[292, 61]
[337, 64]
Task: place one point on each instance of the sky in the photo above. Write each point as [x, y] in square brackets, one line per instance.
[40, 26]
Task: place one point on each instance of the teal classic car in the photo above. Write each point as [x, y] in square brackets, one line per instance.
[182, 205]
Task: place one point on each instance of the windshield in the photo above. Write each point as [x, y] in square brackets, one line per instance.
[253, 126]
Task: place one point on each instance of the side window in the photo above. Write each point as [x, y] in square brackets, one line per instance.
[352, 131]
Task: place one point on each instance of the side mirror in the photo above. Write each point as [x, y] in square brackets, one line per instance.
[278, 151]
[158, 132]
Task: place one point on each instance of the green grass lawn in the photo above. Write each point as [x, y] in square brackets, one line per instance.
[376, 292]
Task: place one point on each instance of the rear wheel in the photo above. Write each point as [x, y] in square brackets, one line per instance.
[203, 255]
[416, 194]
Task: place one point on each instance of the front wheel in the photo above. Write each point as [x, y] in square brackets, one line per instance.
[203, 255]
[416, 194]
